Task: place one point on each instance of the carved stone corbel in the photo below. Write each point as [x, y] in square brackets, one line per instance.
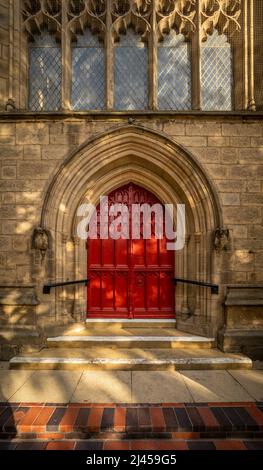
[221, 239]
[40, 240]
[10, 105]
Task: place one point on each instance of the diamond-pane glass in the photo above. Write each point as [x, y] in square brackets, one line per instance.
[174, 73]
[216, 73]
[88, 73]
[131, 73]
[44, 74]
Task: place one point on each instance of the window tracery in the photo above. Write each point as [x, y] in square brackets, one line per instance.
[161, 38]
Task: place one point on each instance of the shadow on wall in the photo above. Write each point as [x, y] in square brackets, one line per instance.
[7, 411]
[17, 320]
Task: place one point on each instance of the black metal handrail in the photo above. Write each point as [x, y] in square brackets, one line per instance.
[47, 287]
[214, 287]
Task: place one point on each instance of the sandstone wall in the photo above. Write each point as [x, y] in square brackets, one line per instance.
[230, 150]
[4, 52]
[258, 54]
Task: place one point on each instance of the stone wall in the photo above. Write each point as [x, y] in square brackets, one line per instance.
[258, 54]
[230, 150]
[4, 52]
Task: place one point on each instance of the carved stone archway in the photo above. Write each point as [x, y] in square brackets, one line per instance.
[150, 159]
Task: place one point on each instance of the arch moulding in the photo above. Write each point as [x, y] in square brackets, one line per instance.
[152, 160]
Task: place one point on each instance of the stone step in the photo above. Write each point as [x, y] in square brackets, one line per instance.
[110, 324]
[131, 338]
[94, 323]
[102, 358]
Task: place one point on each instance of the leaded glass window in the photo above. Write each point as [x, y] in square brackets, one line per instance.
[174, 73]
[44, 73]
[130, 72]
[216, 73]
[88, 73]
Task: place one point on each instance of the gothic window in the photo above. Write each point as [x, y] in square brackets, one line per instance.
[136, 55]
[44, 73]
[174, 73]
[130, 72]
[88, 76]
[216, 73]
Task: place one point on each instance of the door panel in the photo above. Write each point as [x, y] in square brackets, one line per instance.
[121, 253]
[130, 278]
[121, 291]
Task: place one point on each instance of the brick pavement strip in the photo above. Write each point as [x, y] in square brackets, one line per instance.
[135, 444]
[140, 421]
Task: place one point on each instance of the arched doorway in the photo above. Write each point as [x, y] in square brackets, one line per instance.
[130, 278]
[154, 161]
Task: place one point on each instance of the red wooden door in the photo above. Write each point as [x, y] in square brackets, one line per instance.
[130, 278]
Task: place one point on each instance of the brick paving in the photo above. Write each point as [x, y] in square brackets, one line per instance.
[135, 444]
[132, 423]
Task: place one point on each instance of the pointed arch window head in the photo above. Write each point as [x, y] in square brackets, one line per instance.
[88, 75]
[130, 72]
[174, 73]
[216, 73]
[44, 73]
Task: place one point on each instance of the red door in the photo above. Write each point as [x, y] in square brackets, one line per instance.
[130, 278]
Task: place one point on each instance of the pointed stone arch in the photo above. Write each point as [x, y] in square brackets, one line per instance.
[150, 159]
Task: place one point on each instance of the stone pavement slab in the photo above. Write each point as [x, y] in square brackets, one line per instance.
[159, 387]
[252, 382]
[130, 386]
[103, 387]
[214, 386]
[48, 386]
[11, 381]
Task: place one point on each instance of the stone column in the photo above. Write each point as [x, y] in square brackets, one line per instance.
[78, 290]
[185, 306]
[197, 238]
[61, 292]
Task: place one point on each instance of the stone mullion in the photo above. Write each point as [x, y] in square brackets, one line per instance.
[23, 79]
[251, 78]
[11, 49]
[245, 54]
[153, 60]
[196, 60]
[109, 59]
[66, 60]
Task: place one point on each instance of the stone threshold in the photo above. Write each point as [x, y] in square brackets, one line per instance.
[133, 338]
[132, 321]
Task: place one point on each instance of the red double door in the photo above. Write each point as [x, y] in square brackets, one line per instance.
[130, 278]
